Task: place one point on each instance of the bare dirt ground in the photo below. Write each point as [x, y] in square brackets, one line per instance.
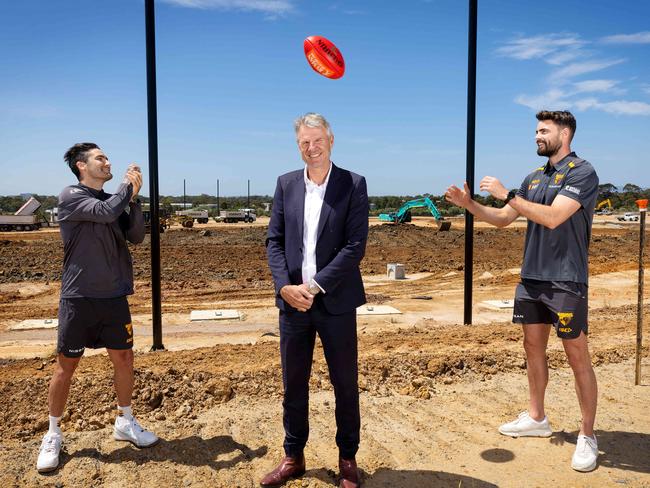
[432, 391]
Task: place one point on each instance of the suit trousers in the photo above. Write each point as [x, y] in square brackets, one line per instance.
[338, 335]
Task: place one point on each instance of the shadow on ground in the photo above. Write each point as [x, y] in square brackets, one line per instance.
[620, 450]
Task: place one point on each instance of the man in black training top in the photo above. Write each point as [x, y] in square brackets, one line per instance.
[558, 200]
[97, 277]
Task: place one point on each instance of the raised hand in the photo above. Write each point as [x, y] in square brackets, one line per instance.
[458, 197]
[494, 187]
[134, 176]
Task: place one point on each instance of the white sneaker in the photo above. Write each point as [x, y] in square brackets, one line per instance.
[131, 431]
[525, 426]
[48, 455]
[586, 454]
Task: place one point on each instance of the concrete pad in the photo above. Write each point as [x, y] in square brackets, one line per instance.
[213, 315]
[377, 310]
[35, 324]
[499, 304]
[371, 279]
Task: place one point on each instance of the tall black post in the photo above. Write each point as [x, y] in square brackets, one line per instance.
[218, 206]
[152, 119]
[248, 197]
[471, 140]
[184, 194]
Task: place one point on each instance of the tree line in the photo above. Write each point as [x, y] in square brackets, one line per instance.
[622, 199]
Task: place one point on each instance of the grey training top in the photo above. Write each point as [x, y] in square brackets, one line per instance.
[560, 254]
[95, 227]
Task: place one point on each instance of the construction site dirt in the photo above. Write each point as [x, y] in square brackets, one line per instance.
[433, 391]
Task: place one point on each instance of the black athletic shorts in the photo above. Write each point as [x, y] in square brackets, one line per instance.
[563, 304]
[94, 323]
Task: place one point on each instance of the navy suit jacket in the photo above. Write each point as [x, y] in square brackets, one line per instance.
[341, 238]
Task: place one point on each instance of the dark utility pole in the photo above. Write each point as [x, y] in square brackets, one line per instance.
[471, 140]
[152, 120]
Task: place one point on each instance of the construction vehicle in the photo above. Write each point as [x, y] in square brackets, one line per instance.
[200, 216]
[24, 218]
[628, 217]
[163, 219]
[604, 211]
[242, 215]
[404, 213]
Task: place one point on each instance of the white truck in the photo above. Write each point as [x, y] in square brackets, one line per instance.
[23, 219]
[201, 216]
[241, 215]
[628, 217]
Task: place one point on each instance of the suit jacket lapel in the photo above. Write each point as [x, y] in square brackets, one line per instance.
[329, 200]
[299, 192]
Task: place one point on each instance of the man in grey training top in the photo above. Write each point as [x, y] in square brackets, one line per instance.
[97, 277]
[558, 200]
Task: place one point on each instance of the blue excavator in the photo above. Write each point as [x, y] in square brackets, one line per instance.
[404, 213]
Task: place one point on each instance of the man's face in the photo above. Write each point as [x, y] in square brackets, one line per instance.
[315, 146]
[549, 137]
[96, 166]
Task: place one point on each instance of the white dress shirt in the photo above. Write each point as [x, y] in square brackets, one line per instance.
[314, 196]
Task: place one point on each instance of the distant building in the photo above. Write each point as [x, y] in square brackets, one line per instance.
[181, 205]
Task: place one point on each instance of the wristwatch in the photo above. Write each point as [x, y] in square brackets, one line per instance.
[314, 289]
[511, 194]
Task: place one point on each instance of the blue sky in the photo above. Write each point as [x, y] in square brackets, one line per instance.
[232, 76]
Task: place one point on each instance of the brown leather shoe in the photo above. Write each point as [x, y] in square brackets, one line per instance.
[289, 467]
[348, 474]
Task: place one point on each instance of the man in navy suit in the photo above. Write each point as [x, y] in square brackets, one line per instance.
[316, 240]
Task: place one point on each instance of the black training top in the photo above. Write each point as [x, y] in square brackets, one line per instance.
[95, 227]
[560, 254]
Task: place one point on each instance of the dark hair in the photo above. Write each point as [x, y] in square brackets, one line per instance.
[563, 118]
[78, 152]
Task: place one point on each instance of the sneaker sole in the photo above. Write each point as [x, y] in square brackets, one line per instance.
[591, 467]
[118, 437]
[47, 470]
[529, 433]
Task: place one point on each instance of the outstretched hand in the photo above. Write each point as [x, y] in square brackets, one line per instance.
[458, 197]
[494, 187]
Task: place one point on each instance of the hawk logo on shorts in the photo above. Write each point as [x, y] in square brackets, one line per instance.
[129, 330]
[565, 317]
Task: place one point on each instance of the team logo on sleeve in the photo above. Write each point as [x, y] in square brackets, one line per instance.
[572, 189]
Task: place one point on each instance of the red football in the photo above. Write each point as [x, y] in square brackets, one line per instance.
[324, 57]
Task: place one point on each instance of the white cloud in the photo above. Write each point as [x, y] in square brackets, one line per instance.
[555, 99]
[625, 107]
[271, 7]
[568, 53]
[553, 48]
[576, 69]
[637, 38]
[595, 86]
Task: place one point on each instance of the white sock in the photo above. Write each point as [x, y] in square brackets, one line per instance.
[54, 425]
[125, 412]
